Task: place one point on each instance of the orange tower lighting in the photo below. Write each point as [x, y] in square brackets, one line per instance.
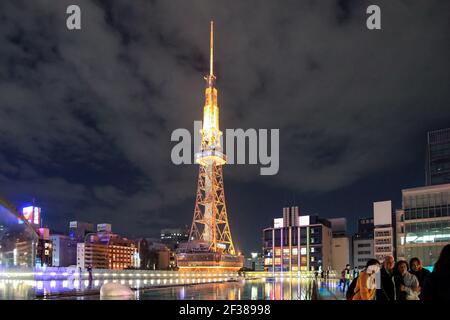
[210, 222]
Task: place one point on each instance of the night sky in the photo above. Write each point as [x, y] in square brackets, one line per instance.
[86, 116]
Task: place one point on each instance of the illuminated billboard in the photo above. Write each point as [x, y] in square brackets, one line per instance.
[32, 214]
[278, 223]
[303, 221]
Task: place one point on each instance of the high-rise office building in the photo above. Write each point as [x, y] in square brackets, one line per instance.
[284, 252]
[363, 248]
[79, 229]
[254, 262]
[365, 228]
[383, 230]
[64, 250]
[425, 222]
[437, 170]
[173, 237]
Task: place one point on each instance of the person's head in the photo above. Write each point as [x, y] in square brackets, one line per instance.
[443, 263]
[389, 263]
[402, 267]
[347, 266]
[372, 266]
[415, 264]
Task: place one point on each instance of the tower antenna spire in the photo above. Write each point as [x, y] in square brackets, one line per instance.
[211, 50]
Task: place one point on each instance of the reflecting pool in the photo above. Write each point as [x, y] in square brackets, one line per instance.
[249, 289]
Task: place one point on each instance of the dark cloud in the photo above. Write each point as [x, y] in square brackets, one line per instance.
[87, 115]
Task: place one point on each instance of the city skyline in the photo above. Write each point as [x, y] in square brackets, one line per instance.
[89, 139]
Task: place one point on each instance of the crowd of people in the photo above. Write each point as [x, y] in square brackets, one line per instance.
[391, 280]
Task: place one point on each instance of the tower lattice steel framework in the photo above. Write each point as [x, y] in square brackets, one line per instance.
[210, 222]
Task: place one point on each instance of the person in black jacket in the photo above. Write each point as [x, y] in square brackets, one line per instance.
[437, 283]
[417, 269]
[389, 284]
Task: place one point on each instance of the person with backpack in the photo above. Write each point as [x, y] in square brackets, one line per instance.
[365, 285]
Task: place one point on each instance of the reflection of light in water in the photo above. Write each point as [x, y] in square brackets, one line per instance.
[182, 293]
[254, 294]
[115, 281]
[40, 285]
[231, 295]
[158, 281]
[152, 281]
[65, 283]
[52, 284]
[145, 281]
[96, 283]
[122, 281]
[86, 283]
[165, 281]
[106, 281]
[130, 281]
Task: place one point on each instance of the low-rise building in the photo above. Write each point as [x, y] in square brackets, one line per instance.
[425, 218]
[362, 252]
[340, 244]
[296, 243]
[107, 253]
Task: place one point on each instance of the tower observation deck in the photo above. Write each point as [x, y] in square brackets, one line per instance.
[210, 244]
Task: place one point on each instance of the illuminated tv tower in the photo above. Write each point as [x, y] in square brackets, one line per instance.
[210, 223]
